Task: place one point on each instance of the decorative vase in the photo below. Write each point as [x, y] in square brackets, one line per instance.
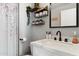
[75, 40]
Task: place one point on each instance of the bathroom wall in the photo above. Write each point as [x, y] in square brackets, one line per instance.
[38, 32]
[24, 29]
[33, 33]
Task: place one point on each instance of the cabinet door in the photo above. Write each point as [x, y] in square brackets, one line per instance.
[44, 51]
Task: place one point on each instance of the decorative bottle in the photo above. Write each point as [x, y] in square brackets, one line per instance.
[75, 39]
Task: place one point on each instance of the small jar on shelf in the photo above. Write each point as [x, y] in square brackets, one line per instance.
[44, 13]
[37, 15]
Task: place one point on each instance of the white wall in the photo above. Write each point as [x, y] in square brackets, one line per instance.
[38, 32]
[24, 29]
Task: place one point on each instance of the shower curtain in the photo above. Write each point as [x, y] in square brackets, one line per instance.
[9, 29]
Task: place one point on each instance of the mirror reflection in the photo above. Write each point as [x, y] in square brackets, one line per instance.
[63, 14]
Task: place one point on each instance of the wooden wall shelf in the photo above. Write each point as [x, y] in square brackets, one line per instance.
[43, 12]
[41, 9]
[38, 22]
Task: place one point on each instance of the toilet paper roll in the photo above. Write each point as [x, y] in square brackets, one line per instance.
[24, 39]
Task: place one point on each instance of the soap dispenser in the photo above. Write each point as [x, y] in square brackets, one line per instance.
[75, 39]
[50, 36]
[47, 36]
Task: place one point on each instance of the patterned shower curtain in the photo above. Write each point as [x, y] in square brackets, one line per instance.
[9, 13]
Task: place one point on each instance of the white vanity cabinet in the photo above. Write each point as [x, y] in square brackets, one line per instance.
[50, 48]
[41, 51]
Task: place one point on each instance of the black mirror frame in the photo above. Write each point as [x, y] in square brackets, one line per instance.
[77, 17]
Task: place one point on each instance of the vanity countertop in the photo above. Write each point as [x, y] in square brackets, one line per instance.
[66, 47]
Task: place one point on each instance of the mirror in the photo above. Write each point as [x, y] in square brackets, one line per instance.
[63, 15]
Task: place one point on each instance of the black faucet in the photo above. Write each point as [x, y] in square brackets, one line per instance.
[60, 39]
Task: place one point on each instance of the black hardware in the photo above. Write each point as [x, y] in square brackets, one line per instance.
[60, 39]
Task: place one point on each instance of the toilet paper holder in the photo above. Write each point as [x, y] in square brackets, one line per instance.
[21, 39]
